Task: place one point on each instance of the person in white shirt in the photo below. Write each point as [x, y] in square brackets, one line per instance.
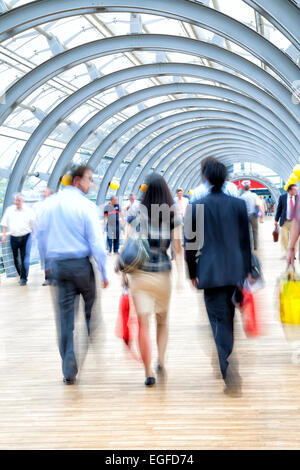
[253, 206]
[131, 211]
[132, 208]
[181, 203]
[18, 220]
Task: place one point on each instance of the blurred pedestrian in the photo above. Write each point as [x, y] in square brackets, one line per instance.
[222, 263]
[263, 209]
[72, 234]
[132, 208]
[284, 215]
[18, 220]
[150, 285]
[253, 207]
[112, 224]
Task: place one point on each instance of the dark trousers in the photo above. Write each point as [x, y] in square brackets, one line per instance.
[253, 221]
[113, 240]
[72, 277]
[22, 245]
[220, 310]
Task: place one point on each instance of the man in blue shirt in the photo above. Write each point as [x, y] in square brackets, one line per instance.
[70, 233]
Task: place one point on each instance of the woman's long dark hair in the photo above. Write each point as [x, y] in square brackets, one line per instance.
[158, 193]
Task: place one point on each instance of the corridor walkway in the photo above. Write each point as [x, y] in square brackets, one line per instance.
[110, 408]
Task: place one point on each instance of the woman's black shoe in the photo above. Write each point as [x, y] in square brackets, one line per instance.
[150, 381]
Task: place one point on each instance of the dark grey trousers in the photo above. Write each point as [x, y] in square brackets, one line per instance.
[72, 277]
[220, 310]
[253, 221]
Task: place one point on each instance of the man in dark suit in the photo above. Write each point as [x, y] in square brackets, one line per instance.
[284, 215]
[223, 262]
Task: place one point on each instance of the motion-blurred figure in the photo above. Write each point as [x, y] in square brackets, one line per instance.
[222, 263]
[253, 207]
[112, 224]
[150, 285]
[132, 208]
[72, 231]
[263, 208]
[284, 215]
[18, 220]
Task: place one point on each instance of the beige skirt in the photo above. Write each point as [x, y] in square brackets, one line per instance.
[151, 292]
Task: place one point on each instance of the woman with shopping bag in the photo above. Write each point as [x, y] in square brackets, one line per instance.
[149, 268]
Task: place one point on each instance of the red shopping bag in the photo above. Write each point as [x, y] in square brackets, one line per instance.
[127, 322]
[249, 314]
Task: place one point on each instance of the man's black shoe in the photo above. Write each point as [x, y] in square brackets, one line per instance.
[69, 381]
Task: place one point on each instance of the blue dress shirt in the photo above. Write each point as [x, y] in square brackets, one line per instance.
[69, 227]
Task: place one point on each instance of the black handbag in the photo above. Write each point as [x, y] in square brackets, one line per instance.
[134, 254]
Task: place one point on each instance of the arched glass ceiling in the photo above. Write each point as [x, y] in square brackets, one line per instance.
[23, 52]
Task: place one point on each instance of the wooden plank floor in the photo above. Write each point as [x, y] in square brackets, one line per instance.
[110, 408]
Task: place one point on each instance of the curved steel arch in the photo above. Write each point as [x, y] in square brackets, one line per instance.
[175, 161]
[49, 123]
[171, 156]
[193, 158]
[63, 109]
[72, 102]
[246, 157]
[183, 161]
[274, 191]
[135, 72]
[283, 15]
[127, 174]
[207, 123]
[102, 149]
[280, 100]
[220, 150]
[39, 12]
[194, 180]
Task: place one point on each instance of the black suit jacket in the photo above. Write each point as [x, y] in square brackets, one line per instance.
[282, 208]
[225, 257]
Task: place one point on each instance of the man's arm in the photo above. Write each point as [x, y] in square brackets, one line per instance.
[190, 238]
[4, 223]
[245, 244]
[4, 231]
[96, 241]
